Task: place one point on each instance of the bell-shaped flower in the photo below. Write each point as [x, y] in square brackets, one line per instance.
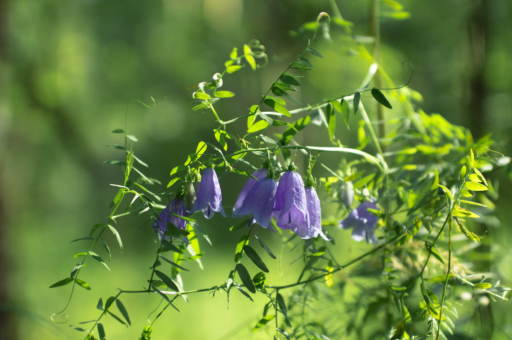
[313, 226]
[259, 202]
[259, 174]
[177, 206]
[290, 208]
[209, 195]
[363, 223]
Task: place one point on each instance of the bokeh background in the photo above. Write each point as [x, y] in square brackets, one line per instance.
[68, 69]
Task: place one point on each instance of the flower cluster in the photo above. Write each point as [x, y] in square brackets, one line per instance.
[294, 206]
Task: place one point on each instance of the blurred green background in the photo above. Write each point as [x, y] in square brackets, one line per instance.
[67, 70]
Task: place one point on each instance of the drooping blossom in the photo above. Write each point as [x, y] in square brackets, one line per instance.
[363, 223]
[177, 206]
[290, 208]
[259, 202]
[313, 226]
[259, 174]
[209, 195]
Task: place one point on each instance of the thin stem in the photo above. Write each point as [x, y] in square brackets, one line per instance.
[447, 276]
[313, 278]
[375, 32]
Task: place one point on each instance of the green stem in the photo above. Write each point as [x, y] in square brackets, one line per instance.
[313, 278]
[447, 277]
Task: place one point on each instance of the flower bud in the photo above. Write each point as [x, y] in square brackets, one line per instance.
[347, 195]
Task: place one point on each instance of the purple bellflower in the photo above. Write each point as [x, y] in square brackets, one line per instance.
[259, 174]
[259, 202]
[177, 206]
[290, 208]
[209, 195]
[313, 227]
[362, 222]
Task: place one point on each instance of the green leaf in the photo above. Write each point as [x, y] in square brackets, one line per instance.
[253, 255]
[282, 306]
[331, 119]
[304, 61]
[224, 94]
[107, 249]
[241, 243]
[259, 280]
[462, 172]
[114, 162]
[118, 237]
[241, 225]
[167, 280]
[433, 250]
[475, 186]
[277, 106]
[314, 52]
[61, 283]
[98, 258]
[188, 219]
[101, 332]
[177, 169]
[79, 254]
[294, 129]
[365, 180]
[483, 285]
[379, 96]
[480, 176]
[164, 296]
[173, 264]
[264, 246]
[132, 137]
[82, 283]
[289, 79]
[82, 239]
[440, 278]
[169, 246]
[233, 69]
[174, 180]
[461, 212]
[285, 87]
[119, 147]
[117, 318]
[355, 176]
[435, 185]
[123, 311]
[234, 53]
[258, 126]
[474, 178]
[282, 93]
[447, 191]
[242, 290]
[118, 131]
[245, 277]
[75, 270]
[263, 322]
[100, 304]
[78, 328]
[472, 236]
[357, 99]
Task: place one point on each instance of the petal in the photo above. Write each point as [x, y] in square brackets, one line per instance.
[290, 192]
[259, 202]
[351, 221]
[209, 194]
[359, 233]
[261, 173]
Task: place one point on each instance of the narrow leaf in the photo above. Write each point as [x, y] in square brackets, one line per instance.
[379, 96]
[253, 255]
[123, 311]
[245, 277]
